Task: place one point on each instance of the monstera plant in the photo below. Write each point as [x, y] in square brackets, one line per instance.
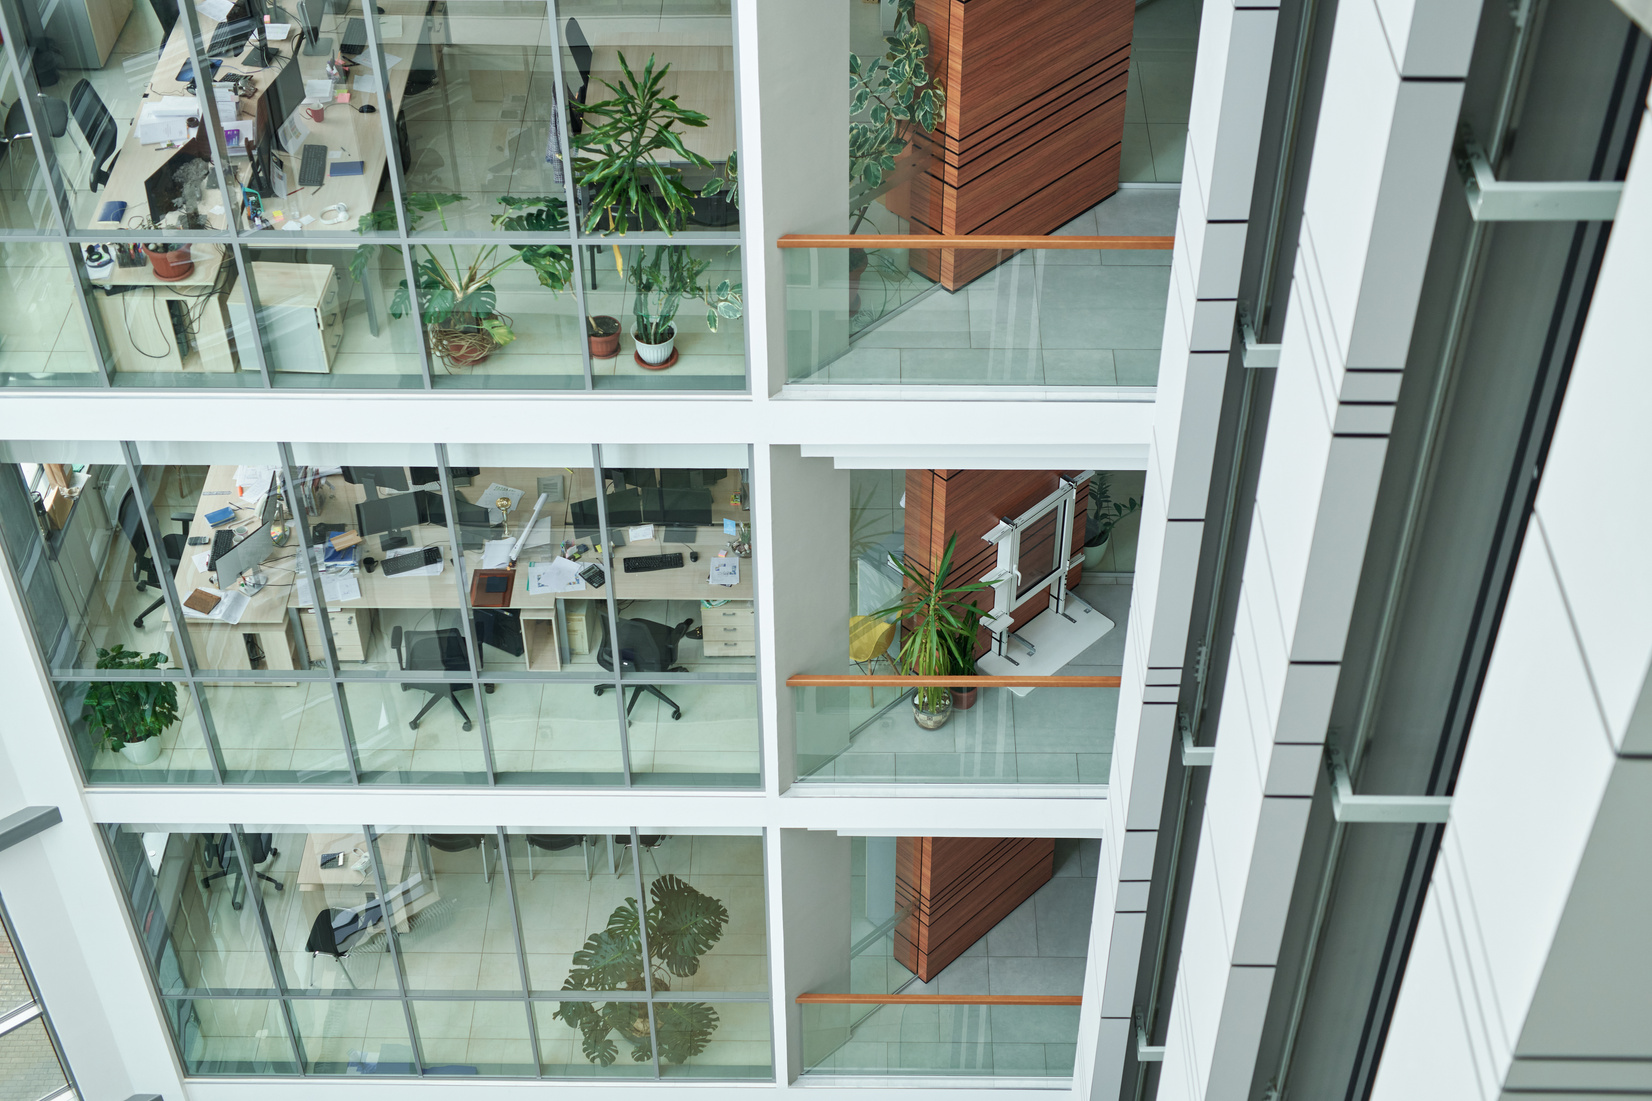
[683, 925]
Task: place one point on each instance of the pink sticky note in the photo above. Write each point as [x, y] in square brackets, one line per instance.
[343, 97]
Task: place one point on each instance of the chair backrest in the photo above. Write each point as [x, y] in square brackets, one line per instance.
[643, 645]
[97, 126]
[131, 523]
[582, 52]
[554, 842]
[453, 842]
[259, 846]
[167, 12]
[434, 650]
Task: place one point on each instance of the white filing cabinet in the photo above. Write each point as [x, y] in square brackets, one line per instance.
[352, 630]
[303, 315]
[730, 629]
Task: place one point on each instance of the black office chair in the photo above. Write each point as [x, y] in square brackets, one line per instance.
[167, 12]
[458, 843]
[337, 933]
[555, 843]
[145, 570]
[582, 52]
[221, 850]
[644, 647]
[97, 126]
[431, 651]
[649, 842]
[53, 114]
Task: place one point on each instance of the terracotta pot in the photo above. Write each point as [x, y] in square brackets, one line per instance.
[604, 342]
[656, 354]
[964, 698]
[145, 752]
[857, 267]
[170, 266]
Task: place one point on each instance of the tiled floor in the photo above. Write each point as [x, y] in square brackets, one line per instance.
[1042, 318]
[1163, 46]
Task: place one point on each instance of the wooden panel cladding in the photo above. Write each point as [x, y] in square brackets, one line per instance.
[1105, 88]
[957, 889]
[969, 503]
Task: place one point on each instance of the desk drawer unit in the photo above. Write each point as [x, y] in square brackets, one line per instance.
[730, 629]
[584, 624]
[352, 630]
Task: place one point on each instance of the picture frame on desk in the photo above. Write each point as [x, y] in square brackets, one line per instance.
[492, 588]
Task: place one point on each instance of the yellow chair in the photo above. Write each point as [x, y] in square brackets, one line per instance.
[869, 639]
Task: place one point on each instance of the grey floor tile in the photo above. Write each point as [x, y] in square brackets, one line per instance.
[1017, 934]
[1079, 367]
[1046, 768]
[1103, 328]
[1037, 974]
[1106, 285]
[1137, 367]
[1063, 906]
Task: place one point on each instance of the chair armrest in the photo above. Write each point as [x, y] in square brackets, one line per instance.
[183, 520]
[396, 644]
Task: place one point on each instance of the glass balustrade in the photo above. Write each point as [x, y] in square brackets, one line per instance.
[987, 1035]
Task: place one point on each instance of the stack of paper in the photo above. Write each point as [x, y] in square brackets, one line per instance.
[559, 575]
[252, 482]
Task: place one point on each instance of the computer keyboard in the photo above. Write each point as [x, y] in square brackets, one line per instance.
[412, 560]
[648, 563]
[312, 166]
[222, 541]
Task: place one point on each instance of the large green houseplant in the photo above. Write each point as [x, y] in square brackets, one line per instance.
[939, 624]
[661, 278]
[129, 716]
[888, 96]
[1105, 513]
[683, 925]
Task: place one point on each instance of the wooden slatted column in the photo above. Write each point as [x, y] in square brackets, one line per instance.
[957, 889]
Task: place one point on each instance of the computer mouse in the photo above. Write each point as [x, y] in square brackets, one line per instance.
[369, 110]
[693, 556]
[369, 564]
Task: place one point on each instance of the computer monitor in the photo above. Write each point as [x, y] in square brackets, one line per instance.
[677, 506]
[624, 507]
[262, 53]
[164, 189]
[281, 100]
[691, 479]
[387, 515]
[246, 554]
[637, 477]
[309, 17]
[475, 527]
[458, 475]
[375, 478]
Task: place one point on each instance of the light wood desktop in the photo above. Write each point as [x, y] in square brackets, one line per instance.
[139, 329]
[315, 883]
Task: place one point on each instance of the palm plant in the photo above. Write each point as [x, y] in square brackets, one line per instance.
[626, 153]
[122, 712]
[939, 626]
[683, 925]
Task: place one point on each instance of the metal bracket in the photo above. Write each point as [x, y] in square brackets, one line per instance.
[1494, 200]
[25, 824]
[1408, 810]
[1256, 355]
[1145, 1052]
[1194, 756]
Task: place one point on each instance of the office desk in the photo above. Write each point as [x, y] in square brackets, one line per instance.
[139, 328]
[343, 884]
[359, 136]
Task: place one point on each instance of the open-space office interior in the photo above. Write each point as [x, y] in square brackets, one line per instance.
[1011, 548]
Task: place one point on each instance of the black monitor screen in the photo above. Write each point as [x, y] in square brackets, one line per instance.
[385, 477]
[624, 507]
[387, 514]
[283, 97]
[677, 506]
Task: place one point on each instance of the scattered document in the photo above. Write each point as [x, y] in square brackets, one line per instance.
[366, 82]
[202, 559]
[215, 10]
[319, 90]
[252, 482]
[423, 571]
[496, 553]
[559, 575]
[492, 494]
[336, 588]
[155, 129]
[277, 32]
[390, 26]
[540, 534]
[725, 571]
[729, 527]
[640, 532]
[229, 610]
[392, 60]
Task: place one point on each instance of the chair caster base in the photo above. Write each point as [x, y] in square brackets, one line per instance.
[138, 623]
[598, 689]
[414, 725]
[676, 714]
[465, 726]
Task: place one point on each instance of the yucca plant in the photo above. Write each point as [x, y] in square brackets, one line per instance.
[625, 151]
[938, 625]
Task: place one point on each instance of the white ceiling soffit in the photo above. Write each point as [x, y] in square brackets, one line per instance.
[897, 456]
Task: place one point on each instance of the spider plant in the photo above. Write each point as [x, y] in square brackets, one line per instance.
[622, 153]
[939, 625]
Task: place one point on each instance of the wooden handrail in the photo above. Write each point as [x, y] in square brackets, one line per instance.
[964, 240]
[939, 999]
[852, 680]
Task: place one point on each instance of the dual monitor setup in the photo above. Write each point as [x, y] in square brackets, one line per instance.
[406, 507]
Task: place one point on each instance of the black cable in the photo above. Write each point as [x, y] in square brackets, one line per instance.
[127, 321]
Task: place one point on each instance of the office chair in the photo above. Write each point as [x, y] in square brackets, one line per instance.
[649, 842]
[221, 849]
[583, 53]
[555, 843]
[430, 651]
[337, 933]
[644, 647]
[97, 126]
[53, 113]
[167, 12]
[145, 570]
[458, 843]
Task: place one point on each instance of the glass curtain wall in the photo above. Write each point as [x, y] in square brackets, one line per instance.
[392, 614]
[392, 950]
[31, 1066]
[506, 194]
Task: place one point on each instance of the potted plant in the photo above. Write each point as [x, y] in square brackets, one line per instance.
[130, 716]
[171, 262]
[683, 925]
[603, 334]
[888, 95]
[1105, 513]
[940, 624]
[718, 203]
[629, 152]
[660, 280]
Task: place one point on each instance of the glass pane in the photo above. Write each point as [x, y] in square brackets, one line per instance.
[682, 311]
[690, 44]
[29, 1069]
[714, 1040]
[173, 316]
[42, 332]
[564, 1054]
[696, 735]
[24, 201]
[178, 755]
[487, 132]
[1013, 1040]
[562, 734]
[189, 895]
[451, 912]
[712, 886]
[327, 921]
[498, 315]
[277, 733]
[231, 1036]
[237, 579]
[463, 1038]
[14, 988]
[415, 733]
[571, 888]
[344, 1036]
[325, 316]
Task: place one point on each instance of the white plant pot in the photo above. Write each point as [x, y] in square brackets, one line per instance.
[656, 354]
[145, 752]
[1093, 555]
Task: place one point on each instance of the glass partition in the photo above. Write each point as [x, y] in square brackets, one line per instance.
[42, 333]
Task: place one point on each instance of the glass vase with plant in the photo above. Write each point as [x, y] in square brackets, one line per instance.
[683, 925]
[629, 154]
[939, 624]
[130, 716]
